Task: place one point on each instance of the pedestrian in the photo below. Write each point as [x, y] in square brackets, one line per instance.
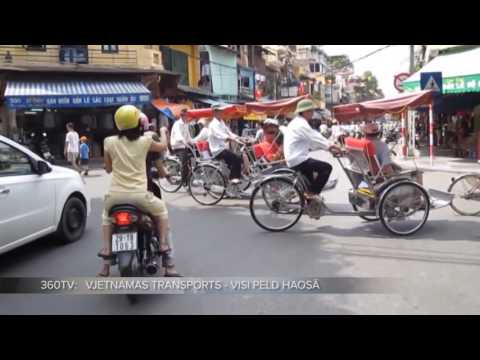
[72, 146]
[84, 154]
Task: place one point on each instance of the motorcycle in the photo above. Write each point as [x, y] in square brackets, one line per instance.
[38, 144]
[135, 245]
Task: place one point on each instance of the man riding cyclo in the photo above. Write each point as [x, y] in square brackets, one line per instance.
[219, 134]
[299, 139]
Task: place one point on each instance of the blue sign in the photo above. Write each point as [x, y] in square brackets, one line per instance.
[75, 101]
[431, 81]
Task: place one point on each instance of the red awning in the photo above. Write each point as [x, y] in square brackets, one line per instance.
[174, 108]
[275, 107]
[229, 112]
[392, 105]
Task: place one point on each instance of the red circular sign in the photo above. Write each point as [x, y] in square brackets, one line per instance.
[399, 79]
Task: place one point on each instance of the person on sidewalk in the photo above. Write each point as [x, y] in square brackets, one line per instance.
[72, 146]
[84, 154]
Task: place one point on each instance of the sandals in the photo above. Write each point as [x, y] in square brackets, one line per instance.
[168, 264]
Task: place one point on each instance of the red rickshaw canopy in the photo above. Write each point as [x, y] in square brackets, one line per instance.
[396, 104]
[273, 108]
[276, 107]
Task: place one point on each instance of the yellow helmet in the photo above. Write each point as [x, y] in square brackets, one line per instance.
[127, 117]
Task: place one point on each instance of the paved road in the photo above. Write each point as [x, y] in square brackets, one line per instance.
[441, 263]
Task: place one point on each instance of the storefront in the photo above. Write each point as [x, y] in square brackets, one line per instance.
[455, 130]
[48, 103]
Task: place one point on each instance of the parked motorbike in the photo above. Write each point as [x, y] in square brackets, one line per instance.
[38, 143]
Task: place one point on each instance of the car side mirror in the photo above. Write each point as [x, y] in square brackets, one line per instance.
[42, 168]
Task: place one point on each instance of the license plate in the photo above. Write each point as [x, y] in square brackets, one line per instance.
[124, 242]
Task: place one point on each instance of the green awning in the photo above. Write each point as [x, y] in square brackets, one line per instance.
[460, 72]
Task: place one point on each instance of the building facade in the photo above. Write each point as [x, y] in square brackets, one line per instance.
[42, 87]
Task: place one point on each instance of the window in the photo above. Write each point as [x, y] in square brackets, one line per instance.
[110, 48]
[176, 61]
[13, 162]
[317, 67]
[36, 47]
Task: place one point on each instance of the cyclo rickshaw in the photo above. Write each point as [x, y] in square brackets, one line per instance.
[399, 202]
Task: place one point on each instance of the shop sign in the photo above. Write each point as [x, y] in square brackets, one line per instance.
[21, 102]
[451, 85]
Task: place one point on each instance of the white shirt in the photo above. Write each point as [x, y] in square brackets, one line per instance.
[202, 136]
[299, 138]
[180, 136]
[73, 142]
[219, 133]
[259, 135]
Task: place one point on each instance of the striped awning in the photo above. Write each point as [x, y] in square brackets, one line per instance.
[74, 94]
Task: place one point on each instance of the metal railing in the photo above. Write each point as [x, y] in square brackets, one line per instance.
[65, 54]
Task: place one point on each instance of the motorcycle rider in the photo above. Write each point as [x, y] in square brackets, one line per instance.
[299, 138]
[125, 157]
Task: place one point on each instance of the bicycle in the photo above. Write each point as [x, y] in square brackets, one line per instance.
[173, 166]
[209, 182]
[466, 189]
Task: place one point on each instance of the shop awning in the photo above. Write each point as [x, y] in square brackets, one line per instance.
[170, 110]
[74, 94]
[460, 72]
[380, 107]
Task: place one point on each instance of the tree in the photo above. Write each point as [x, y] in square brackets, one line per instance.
[367, 88]
[340, 62]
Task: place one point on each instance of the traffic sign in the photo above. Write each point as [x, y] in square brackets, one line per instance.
[399, 79]
[431, 81]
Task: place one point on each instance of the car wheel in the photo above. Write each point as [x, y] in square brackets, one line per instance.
[73, 221]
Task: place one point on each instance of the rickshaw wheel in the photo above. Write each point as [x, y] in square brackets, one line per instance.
[366, 218]
[408, 214]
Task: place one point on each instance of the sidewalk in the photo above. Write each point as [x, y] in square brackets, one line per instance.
[440, 163]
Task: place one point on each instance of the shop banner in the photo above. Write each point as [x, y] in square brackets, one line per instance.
[77, 101]
[451, 85]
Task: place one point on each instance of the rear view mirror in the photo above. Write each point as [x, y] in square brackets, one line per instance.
[42, 168]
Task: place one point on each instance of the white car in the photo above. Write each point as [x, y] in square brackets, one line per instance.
[38, 199]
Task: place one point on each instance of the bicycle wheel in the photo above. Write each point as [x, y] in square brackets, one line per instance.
[404, 208]
[276, 204]
[207, 185]
[467, 195]
[174, 182]
[366, 217]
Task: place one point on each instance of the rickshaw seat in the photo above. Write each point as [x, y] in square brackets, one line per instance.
[258, 151]
[367, 148]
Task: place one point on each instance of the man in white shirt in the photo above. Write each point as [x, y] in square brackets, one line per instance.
[72, 146]
[180, 138]
[299, 139]
[217, 138]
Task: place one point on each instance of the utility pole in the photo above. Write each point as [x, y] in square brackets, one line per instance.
[412, 59]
